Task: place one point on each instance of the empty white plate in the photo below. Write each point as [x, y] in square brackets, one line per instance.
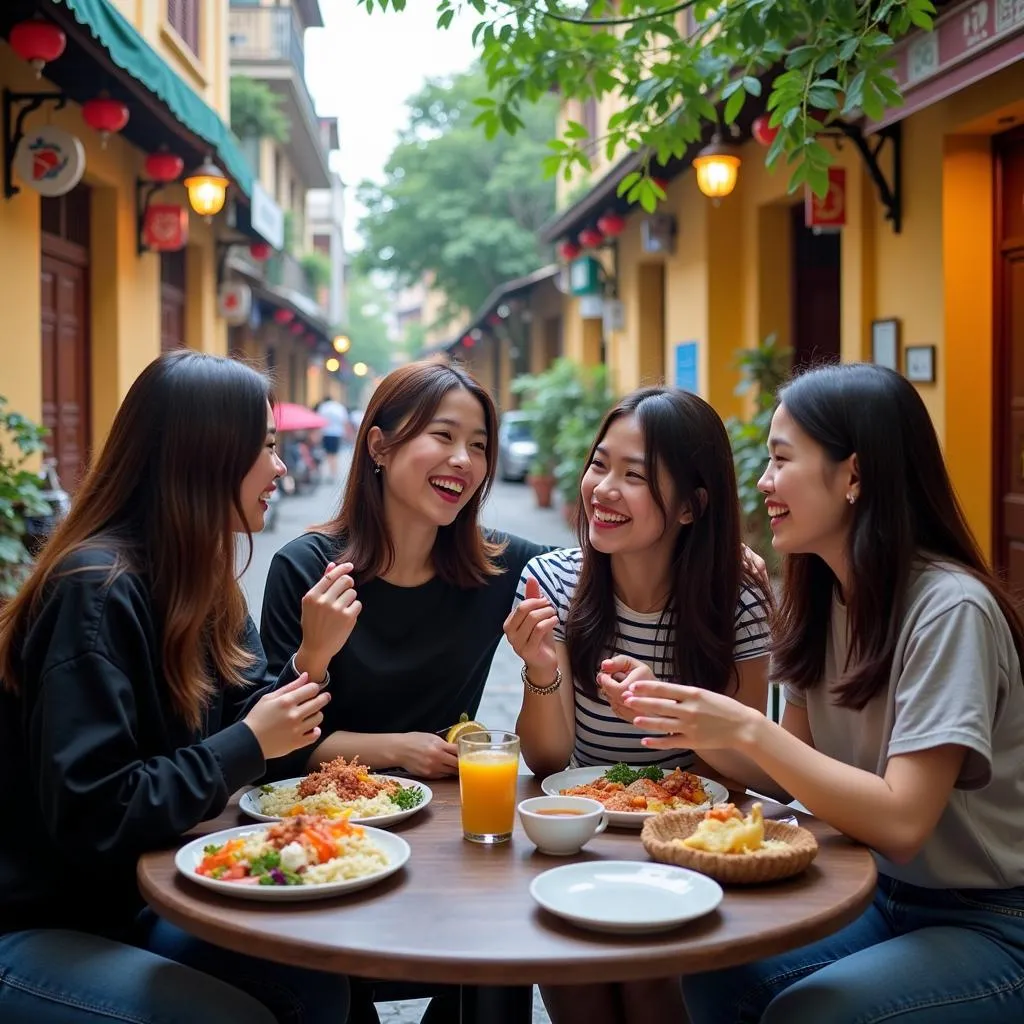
[626, 896]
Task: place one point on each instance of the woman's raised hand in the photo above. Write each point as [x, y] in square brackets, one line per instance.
[530, 630]
[616, 676]
[288, 718]
[329, 613]
[687, 717]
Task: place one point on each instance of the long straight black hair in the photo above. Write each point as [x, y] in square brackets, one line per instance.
[684, 436]
[907, 510]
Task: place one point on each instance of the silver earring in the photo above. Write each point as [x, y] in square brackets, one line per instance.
[851, 497]
[376, 468]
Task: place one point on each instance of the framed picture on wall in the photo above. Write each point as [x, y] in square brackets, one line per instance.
[920, 361]
[885, 343]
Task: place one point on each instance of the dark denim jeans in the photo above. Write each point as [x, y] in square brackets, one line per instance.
[916, 956]
[48, 976]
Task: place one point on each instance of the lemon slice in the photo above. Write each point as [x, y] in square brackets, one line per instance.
[461, 727]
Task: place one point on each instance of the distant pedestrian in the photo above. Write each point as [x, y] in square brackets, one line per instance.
[337, 430]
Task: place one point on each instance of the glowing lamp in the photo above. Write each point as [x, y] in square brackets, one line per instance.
[37, 42]
[207, 188]
[332, 365]
[163, 167]
[341, 344]
[105, 115]
[360, 369]
[717, 166]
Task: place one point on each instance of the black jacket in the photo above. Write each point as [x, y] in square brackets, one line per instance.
[97, 766]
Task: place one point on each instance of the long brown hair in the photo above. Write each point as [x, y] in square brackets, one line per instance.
[402, 406]
[907, 509]
[161, 495]
[686, 437]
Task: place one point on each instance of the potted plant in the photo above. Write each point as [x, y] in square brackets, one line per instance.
[587, 406]
[21, 496]
[546, 397]
[763, 370]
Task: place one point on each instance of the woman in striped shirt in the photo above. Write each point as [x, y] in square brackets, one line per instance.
[660, 578]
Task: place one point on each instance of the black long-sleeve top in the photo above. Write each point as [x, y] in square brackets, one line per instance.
[96, 765]
[418, 656]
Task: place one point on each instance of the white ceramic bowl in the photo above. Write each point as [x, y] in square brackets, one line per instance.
[561, 835]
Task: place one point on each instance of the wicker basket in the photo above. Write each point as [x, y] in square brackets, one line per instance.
[739, 868]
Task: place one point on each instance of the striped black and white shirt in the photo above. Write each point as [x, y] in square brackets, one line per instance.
[601, 736]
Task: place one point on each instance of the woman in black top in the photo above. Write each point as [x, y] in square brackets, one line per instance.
[129, 714]
[433, 587]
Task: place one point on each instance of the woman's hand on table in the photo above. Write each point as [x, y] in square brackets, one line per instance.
[288, 718]
[687, 717]
[329, 612]
[530, 630]
[425, 755]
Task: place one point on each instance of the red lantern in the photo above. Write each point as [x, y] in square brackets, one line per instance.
[297, 327]
[283, 316]
[762, 130]
[591, 238]
[611, 224]
[163, 167]
[260, 251]
[38, 42]
[468, 341]
[568, 251]
[105, 115]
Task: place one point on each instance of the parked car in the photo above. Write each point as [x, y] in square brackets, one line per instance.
[516, 446]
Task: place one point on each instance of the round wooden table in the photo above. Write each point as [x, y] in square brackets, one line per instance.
[461, 913]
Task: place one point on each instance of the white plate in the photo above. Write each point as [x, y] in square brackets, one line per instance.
[190, 856]
[554, 784]
[249, 803]
[626, 896]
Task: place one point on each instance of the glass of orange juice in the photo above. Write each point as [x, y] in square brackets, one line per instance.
[488, 772]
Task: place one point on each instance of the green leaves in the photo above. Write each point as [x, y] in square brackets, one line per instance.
[815, 59]
[21, 494]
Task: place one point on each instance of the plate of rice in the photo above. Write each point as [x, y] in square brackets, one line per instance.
[339, 789]
[301, 858]
[631, 795]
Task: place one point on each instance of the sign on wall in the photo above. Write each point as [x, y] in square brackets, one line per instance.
[828, 212]
[50, 160]
[686, 366]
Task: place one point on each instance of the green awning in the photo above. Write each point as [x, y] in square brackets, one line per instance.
[130, 52]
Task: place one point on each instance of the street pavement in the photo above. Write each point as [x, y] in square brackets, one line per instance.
[510, 507]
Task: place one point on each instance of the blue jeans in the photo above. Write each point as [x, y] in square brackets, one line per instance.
[916, 956]
[49, 976]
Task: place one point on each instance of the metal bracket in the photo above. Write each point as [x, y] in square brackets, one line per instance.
[14, 126]
[144, 192]
[889, 194]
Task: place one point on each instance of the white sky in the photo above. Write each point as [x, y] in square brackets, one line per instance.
[363, 67]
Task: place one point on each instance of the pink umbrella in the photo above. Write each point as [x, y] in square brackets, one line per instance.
[291, 416]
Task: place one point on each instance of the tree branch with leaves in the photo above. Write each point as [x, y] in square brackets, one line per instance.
[677, 66]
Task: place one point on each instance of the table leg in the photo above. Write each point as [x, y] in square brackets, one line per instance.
[504, 1004]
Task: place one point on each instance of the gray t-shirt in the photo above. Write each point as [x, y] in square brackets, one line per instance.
[956, 679]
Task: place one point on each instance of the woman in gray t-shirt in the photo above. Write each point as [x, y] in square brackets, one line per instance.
[901, 657]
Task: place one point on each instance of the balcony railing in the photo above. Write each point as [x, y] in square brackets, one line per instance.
[285, 271]
[266, 34]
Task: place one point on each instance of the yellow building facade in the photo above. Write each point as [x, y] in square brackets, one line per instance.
[85, 309]
[947, 285]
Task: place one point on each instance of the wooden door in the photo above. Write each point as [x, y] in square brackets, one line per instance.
[64, 332]
[1009, 358]
[817, 278]
[172, 300]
